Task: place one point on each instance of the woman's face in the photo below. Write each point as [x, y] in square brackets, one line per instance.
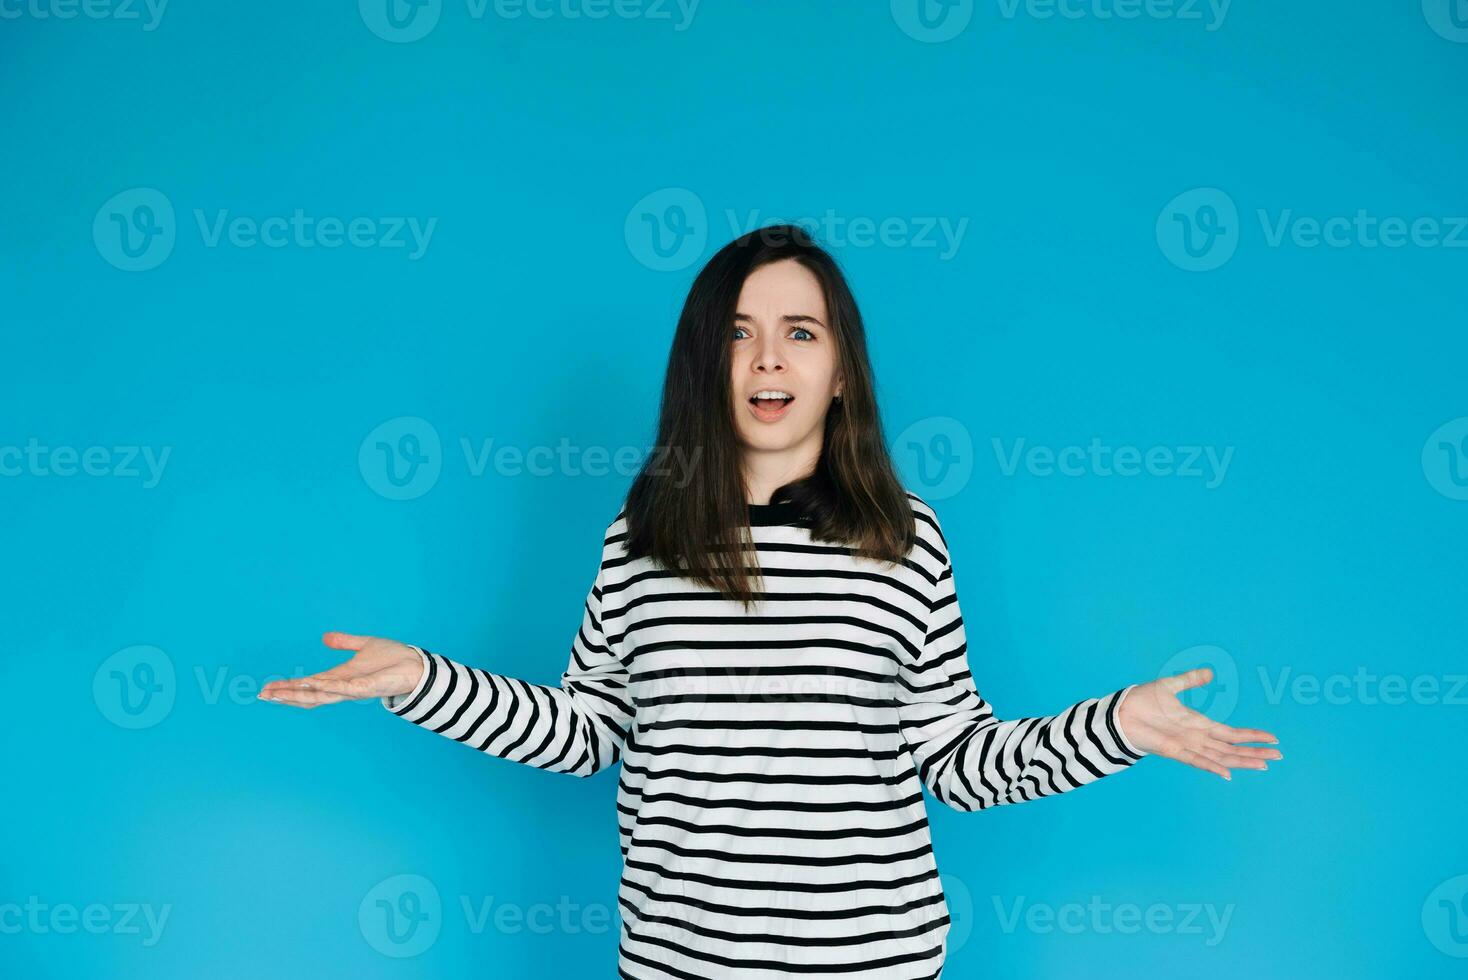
[781, 342]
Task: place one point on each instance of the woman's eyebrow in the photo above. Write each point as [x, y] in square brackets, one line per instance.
[788, 318]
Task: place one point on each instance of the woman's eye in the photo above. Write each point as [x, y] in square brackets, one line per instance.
[808, 334]
[737, 330]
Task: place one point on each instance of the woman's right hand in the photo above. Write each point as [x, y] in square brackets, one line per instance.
[378, 668]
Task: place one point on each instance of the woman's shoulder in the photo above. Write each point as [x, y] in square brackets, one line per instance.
[929, 530]
[615, 533]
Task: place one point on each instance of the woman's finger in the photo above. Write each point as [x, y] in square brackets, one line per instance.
[302, 699]
[1227, 755]
[1196, 677]
[289, 684]
[344, 641]
[1247, 751]
[293, 685]
[1221, 759]
[1230, 734]
[351, 687]
[1197, 759]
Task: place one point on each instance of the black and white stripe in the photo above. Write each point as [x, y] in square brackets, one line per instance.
[770, 798]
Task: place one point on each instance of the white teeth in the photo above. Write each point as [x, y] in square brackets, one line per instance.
[763, 395]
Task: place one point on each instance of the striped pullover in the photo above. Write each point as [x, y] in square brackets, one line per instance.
[770, 805]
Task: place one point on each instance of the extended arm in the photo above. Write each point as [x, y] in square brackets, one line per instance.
[972, 760]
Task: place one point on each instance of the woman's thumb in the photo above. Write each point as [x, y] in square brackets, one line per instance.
[344, 641]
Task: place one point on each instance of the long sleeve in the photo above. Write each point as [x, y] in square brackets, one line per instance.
[969, 758]
[577, 727]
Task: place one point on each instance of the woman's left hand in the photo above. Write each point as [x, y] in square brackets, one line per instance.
[1154, 720]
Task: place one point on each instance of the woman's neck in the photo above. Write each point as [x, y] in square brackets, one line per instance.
[764, 474]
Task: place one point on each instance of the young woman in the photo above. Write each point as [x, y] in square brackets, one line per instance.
[773, 649]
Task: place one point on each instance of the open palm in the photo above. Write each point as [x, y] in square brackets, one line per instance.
[1154, 720]
[377, 668]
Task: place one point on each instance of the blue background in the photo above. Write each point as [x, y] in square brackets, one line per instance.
[548, 150]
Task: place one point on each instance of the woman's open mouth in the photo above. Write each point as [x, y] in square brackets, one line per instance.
[770, 409]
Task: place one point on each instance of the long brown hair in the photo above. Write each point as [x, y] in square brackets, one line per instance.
[695, 520]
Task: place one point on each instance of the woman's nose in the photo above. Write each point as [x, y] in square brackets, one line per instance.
[769, 359]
